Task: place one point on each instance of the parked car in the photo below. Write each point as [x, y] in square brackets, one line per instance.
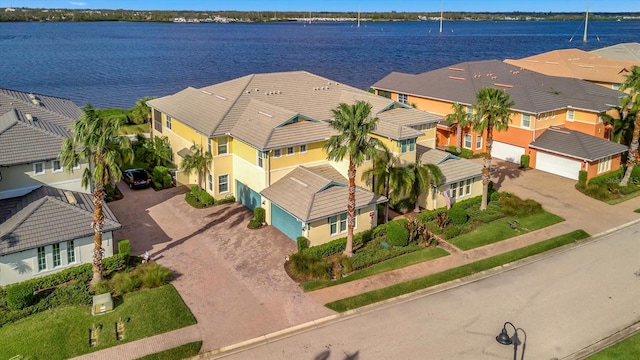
[136, 178]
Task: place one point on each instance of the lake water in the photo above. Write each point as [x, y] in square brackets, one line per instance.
[112, 64]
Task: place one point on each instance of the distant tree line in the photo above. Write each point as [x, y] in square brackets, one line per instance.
[31, 14]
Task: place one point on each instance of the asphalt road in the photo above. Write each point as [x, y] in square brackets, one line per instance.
[564, 303]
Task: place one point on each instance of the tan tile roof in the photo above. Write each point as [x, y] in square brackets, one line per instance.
[577, 64]
[532, 92]
[453, 168]
[254, 108]
[624, 51]
[313, 193]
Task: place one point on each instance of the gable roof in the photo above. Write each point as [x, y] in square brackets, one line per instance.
[577, 64]
[531, 92]
[623, 51]
[256, 108]
[50, 109]
[26, 139]
[314, 193]
[453, 168]
[45, 216]
[576, 144]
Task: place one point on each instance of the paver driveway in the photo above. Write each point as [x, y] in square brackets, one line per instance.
[232, 278]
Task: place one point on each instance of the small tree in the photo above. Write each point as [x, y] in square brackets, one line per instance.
[158, 150]
[197, 161]
[632, 83]
[462, 119]
[423, 177]
[141, 113]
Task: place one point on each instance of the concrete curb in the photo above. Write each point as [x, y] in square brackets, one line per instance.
[613, 339]
[296, 329]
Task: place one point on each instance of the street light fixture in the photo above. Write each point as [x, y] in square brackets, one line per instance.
[504, 339]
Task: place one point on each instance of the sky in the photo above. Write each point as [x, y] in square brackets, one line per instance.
[340, 5]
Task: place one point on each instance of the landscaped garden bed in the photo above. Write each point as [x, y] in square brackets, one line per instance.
[607, 187]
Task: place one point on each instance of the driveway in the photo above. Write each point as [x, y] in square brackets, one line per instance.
[559, 196]
[232, 278]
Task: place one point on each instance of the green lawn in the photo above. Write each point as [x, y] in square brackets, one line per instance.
[187, 350]
[455, 273]
[391, 264]
[134, 129]
[627, 349]
[499, 230]
[63, 332]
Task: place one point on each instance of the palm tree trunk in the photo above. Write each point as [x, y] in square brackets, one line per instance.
[351, 209]
[459, 138]
[633, 152]
[386, 205]
[97, 224]
[416, 208]
[486, 169]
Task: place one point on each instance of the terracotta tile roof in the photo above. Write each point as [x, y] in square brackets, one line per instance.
[45, 216]
[577, 64]
[576, 144]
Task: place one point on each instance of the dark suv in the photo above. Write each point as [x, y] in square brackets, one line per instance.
[136, 178]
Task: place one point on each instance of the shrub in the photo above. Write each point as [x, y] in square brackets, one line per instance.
[452, 149]
[113, 263]
[302, 242]
[103, 287]
[192, 200]
[153, 275]
[466, 153]
[426, 216]
[458, 215]
[469, 203]
[397, 234]
[512, 205]
[402, 204]
[124, 282]
[124, 247]
[19, 296]
[598, 191]
[582, 178]
[259, 214]
[161, 178]
[375, 253]
[112, 193]
[338, 245]
[308, 266]
[227, 199]
[454, 230]
[254, 224]
[493, 212]
[495, 196]
[524, 161]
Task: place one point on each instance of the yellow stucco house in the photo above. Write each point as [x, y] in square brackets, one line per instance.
[266, 130]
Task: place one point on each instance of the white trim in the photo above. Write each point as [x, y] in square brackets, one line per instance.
[53, 167]
[300, 148]
[478, 147]
[278, 154]
[228, 187]
[44, 168]
[464, 141]
[293, 152]
[522, 121]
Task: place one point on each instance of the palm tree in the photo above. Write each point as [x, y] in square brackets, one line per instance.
[141, 113]
[158, 150]
[387, 174]
[423, 176]
[622, 124]
[461, 118]
[95, 140]
[632, 83]
[353, 123]
[198, 160]
[491, 111]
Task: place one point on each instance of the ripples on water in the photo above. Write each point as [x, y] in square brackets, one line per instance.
[112, 64]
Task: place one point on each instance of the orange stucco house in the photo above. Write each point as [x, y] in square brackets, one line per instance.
[541, 102]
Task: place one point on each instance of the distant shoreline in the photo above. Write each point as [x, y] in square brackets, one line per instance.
[227, 16]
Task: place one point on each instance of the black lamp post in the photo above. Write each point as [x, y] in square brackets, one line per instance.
[504, 339]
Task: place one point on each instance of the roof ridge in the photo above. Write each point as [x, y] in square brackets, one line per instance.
[233, 105]
[32, 125]
[28, 211]
[10, 123]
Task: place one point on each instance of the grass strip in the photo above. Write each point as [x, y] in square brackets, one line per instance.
[499, 230]
[391, 264]
[63, 333]
[623, 198]
[187, 350]
[627, 349]
[455, 273]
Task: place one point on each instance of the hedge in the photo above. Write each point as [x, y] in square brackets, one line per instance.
[161, 178]
[338, 245]
[19, 296]
[397, 235]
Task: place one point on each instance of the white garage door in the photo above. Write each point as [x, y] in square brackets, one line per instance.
[558, 165]
[506, 152]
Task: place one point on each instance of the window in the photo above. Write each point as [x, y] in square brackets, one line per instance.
[291, 150]
[343, 222]
[615, 86]
[409, 143]
[383, 93]
[403, 98]
[478, 142]
[38, 168]
[157, 121]
[461, 188]
[71, 252]
[570, 115]
[333, 225]
[303, 148]
[42, 260]
[210, 181]
[470, 110]
[167, 122]
[604, 164]
[526, 120]
[76, 166]
[56, 255]
[209, 146]
[223, 183]
[468, 186]
[56, 166]
[277, 153]
[553, 114]
[259, 160]
[467, 141]
[430, 126]
[223, 146]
